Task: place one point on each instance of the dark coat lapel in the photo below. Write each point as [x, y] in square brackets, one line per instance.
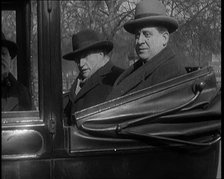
[10, 104]
[156, 61]
[72, 94]
[129, 80]
[128, 72]
[10, 101]
[94, 80]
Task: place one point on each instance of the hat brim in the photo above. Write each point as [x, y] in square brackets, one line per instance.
[163, 21]
[103, 45]
[12, 47]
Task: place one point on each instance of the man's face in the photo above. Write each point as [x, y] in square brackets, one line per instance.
[6, 62]
[149, 42]
[89, 63]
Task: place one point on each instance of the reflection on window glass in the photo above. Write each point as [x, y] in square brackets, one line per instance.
[9, 30]
[19, 69]
[34, 55]
[11, 98]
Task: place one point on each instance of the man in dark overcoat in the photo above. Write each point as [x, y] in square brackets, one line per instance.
[15, 96]
[97, 73]
[157, 62]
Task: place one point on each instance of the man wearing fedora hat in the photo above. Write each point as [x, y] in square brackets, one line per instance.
[97, 74]
[157, 62]
[15, 96]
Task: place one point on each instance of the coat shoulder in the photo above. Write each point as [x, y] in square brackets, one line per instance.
[170, 69]
[117, 70]
[114, 73]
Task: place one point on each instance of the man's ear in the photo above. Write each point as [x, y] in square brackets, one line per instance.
[101, 53]
[166, 37]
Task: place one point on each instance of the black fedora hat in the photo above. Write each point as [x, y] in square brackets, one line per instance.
[151, 13]
[87, 40]
[12, 47]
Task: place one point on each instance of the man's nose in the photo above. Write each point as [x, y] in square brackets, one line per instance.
[82, 62]
[141, 38]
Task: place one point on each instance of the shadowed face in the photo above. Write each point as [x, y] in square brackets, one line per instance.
[90, 62]
[149, 42]
[6, 62]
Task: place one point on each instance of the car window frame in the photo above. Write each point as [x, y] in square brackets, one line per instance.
[49, 84]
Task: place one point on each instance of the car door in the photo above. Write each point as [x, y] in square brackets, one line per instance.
[28, 137]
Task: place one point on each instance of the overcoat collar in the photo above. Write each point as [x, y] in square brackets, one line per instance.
[129, 80]
[10, 100]
[94, 80]
[165, 55]
[10, 103]
[9, 86]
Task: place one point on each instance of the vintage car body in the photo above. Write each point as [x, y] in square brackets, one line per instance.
[89, 155]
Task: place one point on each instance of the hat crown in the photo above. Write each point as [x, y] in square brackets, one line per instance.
[151, 13]
[85, 38]
[147, 8]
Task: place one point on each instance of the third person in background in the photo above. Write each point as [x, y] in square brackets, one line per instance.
[15, 96]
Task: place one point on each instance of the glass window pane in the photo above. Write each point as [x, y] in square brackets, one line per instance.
[34, 55]
[9, 30]
[22, 35]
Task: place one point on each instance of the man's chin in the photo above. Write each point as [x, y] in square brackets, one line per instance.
[84, 77]
[143, 56]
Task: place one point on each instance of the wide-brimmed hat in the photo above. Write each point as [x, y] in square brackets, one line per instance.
[151, 13]
[12, 47]
[87, 40]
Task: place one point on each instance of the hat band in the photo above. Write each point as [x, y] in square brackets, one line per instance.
[146, 15]
[84, 44]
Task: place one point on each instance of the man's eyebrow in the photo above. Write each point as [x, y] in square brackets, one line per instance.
[143, 31]
[148, 31]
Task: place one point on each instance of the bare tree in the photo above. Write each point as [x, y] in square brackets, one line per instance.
[199, 33]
